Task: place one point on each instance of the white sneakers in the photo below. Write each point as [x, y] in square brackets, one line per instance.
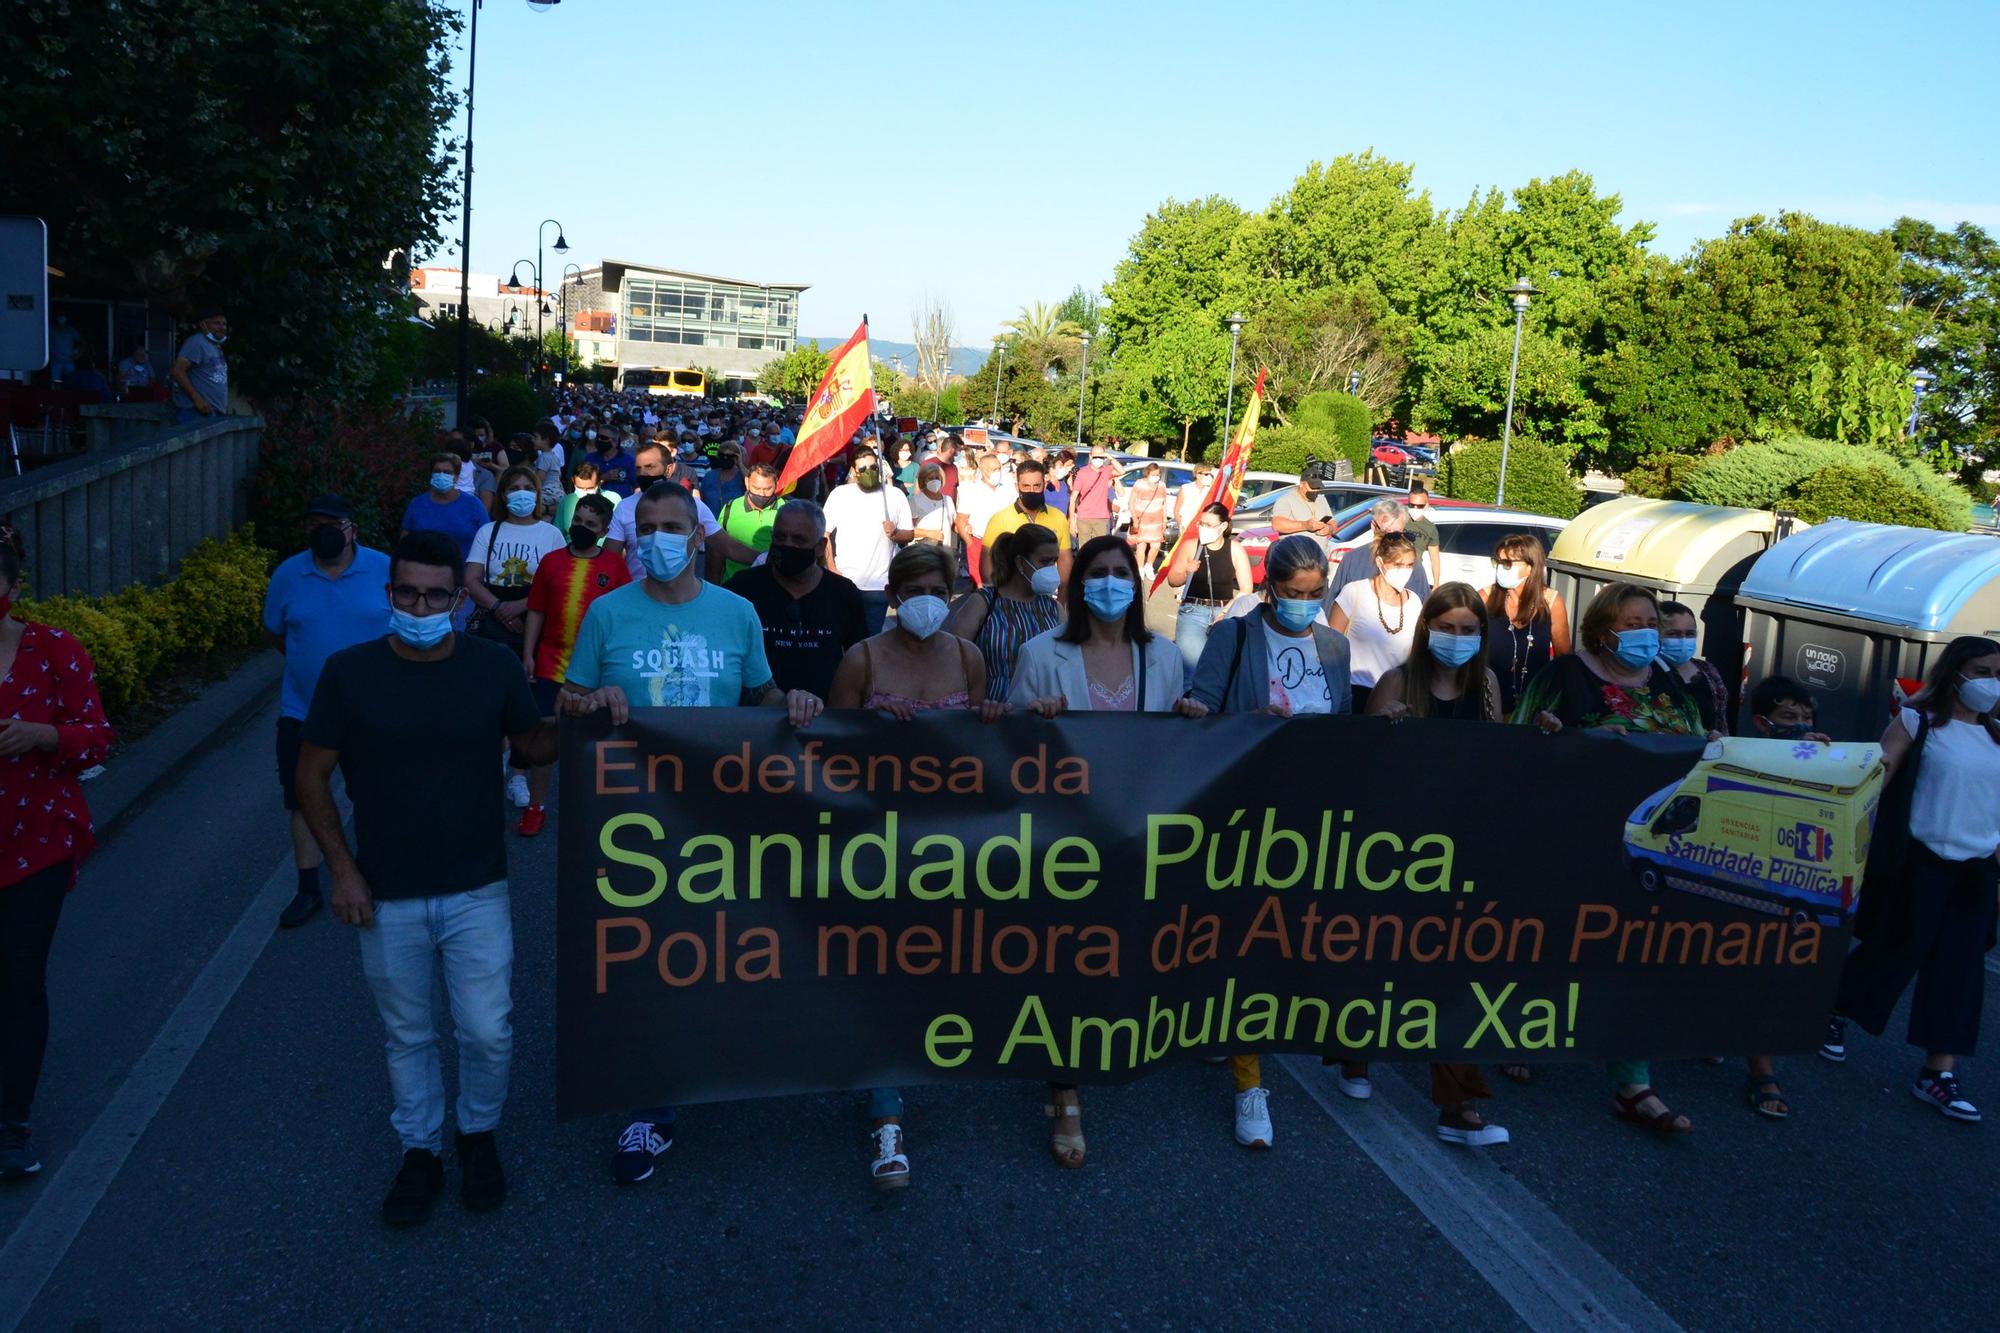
[1253, 1118]
[1359, 1088]
[517, 790]
[1483, 1137]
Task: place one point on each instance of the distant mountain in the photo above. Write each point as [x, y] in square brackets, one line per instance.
[964, 360]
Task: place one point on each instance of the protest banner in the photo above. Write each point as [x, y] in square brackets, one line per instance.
[745, 909]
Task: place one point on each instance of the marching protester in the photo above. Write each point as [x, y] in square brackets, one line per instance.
[1030, 509]
[1928, 913]
[445, 509]
[1781, 709]
[407, 718]
[1056, 495]
[934, 517]
[1018, 602]
[325, 598]
[911, 669]
[981, 496]
[635, 649]
[565, 583]
[52, 729]
[1147, 501]
[1385, 517]
[1101, 659]
[499, 571]
[1189, 498]
[1614, 683]
[866, 520]
[1285, 661]
[1446, 676]
[1678, 645]
[1212, 571]
[1529, 620]
[1378, 614]
[653, 462]
[747, 518]
[811, 615]
[583, 482]
[724, 482]
[1090, 497]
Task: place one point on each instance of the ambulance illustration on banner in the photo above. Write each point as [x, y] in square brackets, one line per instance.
[1778, 828]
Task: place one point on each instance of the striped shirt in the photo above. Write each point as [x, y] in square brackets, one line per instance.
[563, 590]
[1010, 623]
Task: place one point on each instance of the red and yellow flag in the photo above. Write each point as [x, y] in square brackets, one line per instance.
[1228, 483]
[844, 399]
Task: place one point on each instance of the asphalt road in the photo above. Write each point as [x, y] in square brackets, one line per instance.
[216, 1159]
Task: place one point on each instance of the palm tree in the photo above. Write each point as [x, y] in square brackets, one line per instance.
[1041, 328]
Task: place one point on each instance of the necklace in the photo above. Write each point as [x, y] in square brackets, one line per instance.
[1402, 615]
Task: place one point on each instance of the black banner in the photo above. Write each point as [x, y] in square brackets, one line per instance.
[745, 909]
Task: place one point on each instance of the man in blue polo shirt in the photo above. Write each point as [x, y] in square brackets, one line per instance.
[328, 597]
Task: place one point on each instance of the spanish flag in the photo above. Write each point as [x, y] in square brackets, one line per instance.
[1228, 483]
[844, 400]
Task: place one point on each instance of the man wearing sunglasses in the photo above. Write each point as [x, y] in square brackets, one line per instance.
[415, 721]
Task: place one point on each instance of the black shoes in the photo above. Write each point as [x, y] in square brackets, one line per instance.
[416, 1188]
[300, 910]
[482, 1185]
[17, 1152]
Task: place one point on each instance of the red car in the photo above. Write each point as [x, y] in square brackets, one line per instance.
[1393, 455]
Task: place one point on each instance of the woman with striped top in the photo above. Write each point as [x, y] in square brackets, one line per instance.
[1019, 605]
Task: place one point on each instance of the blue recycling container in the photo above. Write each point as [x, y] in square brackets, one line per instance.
[1859, 611]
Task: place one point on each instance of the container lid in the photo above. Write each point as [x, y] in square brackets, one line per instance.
[1909, 577]
[1660, 541]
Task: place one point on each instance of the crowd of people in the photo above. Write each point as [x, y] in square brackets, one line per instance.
[635, 552]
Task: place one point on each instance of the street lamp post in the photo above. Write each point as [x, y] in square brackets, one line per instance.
[1236, 323]
[562, 320]
[1520, 292]
[1354, 383]
[1000, 345]
[561, 247]
[1082, 380]
[1920, 381]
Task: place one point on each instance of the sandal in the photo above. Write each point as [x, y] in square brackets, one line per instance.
[1517, 1073]
[1667, 1123]
[891, 1168]
[1067, 1149]
[1767, 1098]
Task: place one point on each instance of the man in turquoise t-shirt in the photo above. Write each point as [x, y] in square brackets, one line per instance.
[669, 640]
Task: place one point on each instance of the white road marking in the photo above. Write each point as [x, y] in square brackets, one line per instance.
[1551, 1276]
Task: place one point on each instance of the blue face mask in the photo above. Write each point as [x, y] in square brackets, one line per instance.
[1455, 650]
[1677, 649]
[1636, 647]
[1109, 597]
[1297, 613]
[520, 503]
[665, 554]
[443, 481]
[419, 631]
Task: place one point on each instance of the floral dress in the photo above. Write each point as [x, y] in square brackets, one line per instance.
[1568, 688]
[44, 820]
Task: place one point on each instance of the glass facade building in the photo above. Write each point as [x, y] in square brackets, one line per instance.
[695, 313]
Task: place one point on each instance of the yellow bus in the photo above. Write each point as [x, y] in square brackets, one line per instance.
[688, 383]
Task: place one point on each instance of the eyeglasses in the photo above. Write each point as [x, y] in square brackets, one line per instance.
[405, 598]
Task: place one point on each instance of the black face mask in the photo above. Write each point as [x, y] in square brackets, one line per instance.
[1032, 500]
[327, 542]
[792, 561]
[756, 501]
[581, 536]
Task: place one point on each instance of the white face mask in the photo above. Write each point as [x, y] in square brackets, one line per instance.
[1210, 534]
[1980, 694]
[1398, 579]
[1509, 577]
[922, 616]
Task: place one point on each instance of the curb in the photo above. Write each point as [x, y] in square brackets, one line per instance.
[137, 775]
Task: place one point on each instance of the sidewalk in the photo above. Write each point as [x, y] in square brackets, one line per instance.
[164, 753]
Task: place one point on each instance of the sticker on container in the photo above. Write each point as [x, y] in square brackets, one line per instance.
[1821, 666]
[1616, 545]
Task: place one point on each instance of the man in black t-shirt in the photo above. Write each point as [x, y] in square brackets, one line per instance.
[415, 721]
[811, 616]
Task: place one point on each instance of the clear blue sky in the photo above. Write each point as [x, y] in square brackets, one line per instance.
[1000, 154]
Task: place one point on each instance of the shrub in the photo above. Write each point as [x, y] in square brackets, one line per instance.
[373, 457]
[215, 602]
[1282, 449]
[1538, 476]
[1660, 476]
[1772, 472]
[1344, 419]
[1868, 495]
[509, 402]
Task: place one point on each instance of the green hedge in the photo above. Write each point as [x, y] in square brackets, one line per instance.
[1342, 418]
[1538, 477]
[509, 402]
[215, 603]
[1843, 480]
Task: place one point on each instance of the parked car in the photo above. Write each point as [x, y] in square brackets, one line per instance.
[1467, 534]
[1338, 495]
[1390, 454]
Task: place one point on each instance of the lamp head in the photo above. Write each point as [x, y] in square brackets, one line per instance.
[561, 246]
[1236, 323]
[1923, 379]
[1520, 292]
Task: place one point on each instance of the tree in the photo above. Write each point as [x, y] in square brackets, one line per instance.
[1180, 263]
[1950, 283]
[272, 160]
[931, 330]
[1084, 310]
[1538, 476]
[1465, 393]
[795, 376]
[1664, 379]
[1042, 329]
[1352, 222]
[1186, 370]
[1307, 345]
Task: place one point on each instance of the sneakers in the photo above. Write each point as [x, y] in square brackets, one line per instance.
[533, 820]
[890, 1168]
[300, 910]
[1833, 1046]
[1939, 1087]
[1356, 1086]
[417, 1185]
[482, 1185]
[17, 1152]
[1253, 1118]
[517, 790]
[639, 1146]
[1481, 1136]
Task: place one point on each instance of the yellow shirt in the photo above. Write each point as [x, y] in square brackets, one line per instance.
[1011, 519]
